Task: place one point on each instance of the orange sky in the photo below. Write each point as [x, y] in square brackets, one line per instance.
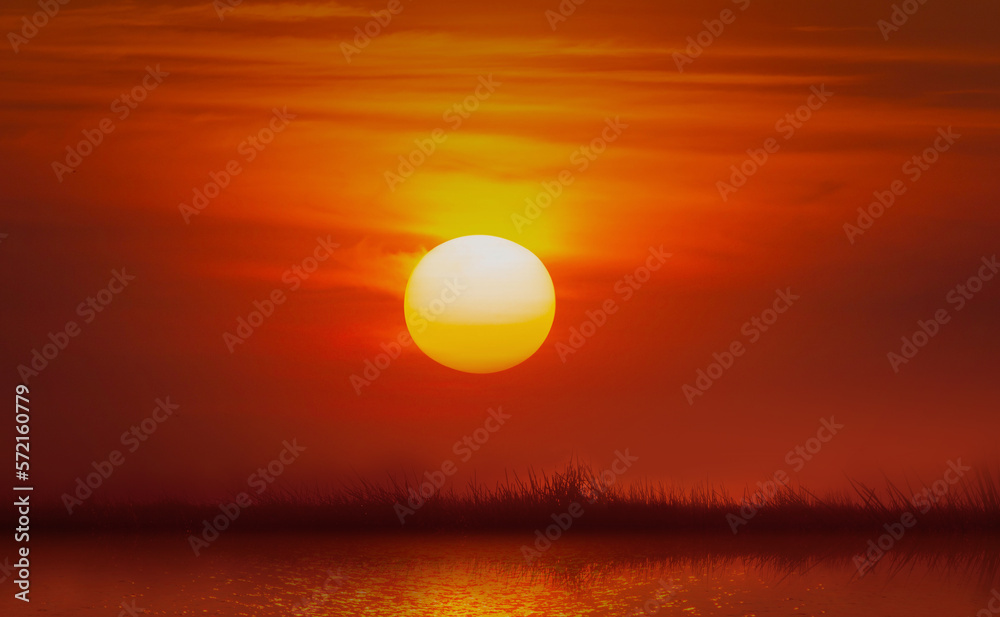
[549, 94]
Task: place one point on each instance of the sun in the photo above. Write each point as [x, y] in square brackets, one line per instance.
[479, 304]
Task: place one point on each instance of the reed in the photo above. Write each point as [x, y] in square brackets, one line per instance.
[529, 502]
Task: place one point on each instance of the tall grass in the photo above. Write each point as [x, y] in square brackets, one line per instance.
[529, 502]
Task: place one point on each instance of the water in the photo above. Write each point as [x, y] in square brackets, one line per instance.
[264, 575]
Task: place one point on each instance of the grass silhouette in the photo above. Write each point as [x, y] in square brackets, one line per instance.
[970, 506]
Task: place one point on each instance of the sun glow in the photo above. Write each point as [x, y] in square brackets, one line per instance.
[479, 304]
